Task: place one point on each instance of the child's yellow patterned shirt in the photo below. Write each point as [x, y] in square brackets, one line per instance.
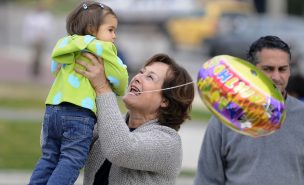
[72, 87]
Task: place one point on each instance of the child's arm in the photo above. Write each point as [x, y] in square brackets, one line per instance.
[116, 72]
[63, 53]
[55, 68]
[67, 49]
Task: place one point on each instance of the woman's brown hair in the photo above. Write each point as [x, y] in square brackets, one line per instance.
[179, 99]
[87, 17]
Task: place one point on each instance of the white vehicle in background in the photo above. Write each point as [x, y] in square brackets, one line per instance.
[150, 11]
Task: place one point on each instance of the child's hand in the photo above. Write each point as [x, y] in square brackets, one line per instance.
[58, 69]
[55, 68]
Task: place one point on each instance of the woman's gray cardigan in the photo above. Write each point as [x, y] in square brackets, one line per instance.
[151, 154]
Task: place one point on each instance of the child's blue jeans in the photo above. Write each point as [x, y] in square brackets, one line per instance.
[67, 136]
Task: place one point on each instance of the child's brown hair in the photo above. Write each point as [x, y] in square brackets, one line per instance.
[86, 18]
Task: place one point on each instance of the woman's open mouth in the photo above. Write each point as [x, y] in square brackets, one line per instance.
[134, 90]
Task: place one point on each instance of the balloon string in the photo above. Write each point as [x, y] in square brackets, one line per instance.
[174, 87]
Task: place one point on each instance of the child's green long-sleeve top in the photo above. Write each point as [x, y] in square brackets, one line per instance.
[72, 87]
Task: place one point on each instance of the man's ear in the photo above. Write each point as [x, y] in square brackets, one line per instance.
[164, 103]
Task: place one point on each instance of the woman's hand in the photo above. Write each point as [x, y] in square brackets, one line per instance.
[95, 73]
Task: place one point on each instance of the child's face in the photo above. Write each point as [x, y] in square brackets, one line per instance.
[107, 30]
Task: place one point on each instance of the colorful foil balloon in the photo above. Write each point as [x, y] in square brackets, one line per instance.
[241, 96]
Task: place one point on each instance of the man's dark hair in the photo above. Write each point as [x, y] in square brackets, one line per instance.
[269, 42]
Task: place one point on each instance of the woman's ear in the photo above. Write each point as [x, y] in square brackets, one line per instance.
[164, 103]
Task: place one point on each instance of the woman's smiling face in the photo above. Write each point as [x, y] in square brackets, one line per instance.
[149, 78]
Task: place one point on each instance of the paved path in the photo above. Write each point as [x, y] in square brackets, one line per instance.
[22, 177]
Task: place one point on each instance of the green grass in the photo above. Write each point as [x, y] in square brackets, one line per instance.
[187, 173]
[19, 144]
[22, 103]
[200, 114]
[22, 96]
[20, 148]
